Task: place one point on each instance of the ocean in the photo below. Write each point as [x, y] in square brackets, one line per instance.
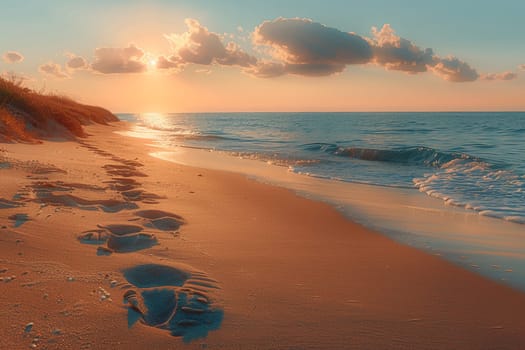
[471, 161]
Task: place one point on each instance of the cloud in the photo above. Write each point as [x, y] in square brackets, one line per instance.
[314, 69]
[521, 66]
[77, 62]
[12, 57]
[167, 63]
[309, 48]
[111, 60]
[296, 46]
[267, 70]
[200, 46]
[274, 69]
[396, 53]
[303, 47]
[454, 70]
[53, 70]
[499, 76]
[236, 56]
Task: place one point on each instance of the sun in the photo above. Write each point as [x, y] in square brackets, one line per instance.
[152, 62]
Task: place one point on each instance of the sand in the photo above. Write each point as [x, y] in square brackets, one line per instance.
[105, 247]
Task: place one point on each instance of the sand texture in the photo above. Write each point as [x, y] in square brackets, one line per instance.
[105, 247]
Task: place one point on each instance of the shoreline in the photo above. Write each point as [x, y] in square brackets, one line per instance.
[405, 215]
[290, 272]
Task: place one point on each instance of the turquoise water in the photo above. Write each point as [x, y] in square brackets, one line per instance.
[471, 160]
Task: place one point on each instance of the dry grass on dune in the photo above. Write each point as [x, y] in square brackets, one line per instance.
[12, 128]
[27, 115]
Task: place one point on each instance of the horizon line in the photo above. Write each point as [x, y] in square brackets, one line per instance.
[363, 111]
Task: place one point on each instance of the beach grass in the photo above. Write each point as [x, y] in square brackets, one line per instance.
[27, 115]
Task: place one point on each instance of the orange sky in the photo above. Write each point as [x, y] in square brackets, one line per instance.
[226, 89]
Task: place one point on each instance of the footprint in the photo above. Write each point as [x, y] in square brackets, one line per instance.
[122, 184]
[140, 195]
[19, 219]
[68, 200]
[81, 186]
[156, 214]
[123, 170]
[167, 299]
[103, 251]
[165, 224]
[42, 186]
[7, 204]
[102, 153]
[128, 162]
[161, 220]
[154, 275]
[129, 238]
[43, 170]
[5, 165]
[132, 242]
[96, 237]
[122, 229]
[118, 238]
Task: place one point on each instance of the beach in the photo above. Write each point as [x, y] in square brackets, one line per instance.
[94, 232]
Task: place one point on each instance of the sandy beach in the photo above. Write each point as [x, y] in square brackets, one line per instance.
[103, 246]
[291, 175]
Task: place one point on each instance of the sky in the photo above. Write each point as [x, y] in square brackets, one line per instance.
[287, 55]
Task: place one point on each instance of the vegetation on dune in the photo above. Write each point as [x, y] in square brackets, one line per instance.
[27, 115]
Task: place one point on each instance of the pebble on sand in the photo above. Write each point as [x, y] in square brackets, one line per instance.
[28, 327]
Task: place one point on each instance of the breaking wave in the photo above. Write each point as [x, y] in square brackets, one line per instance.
[418, 155]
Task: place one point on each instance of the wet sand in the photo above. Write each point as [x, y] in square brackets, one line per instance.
[112, 248]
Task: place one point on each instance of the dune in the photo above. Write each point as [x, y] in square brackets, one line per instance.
[27, 115]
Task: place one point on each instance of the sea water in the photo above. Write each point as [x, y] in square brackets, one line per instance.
[471, 161]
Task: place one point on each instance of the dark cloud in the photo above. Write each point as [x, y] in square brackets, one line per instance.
[12, 57]
[499, 76]
[454, 70]
[53, 70]
[396, 53]
[303, 47]
[110, 60]
[77, 62]
[200, 46]
[309, 48]
[274, 69]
